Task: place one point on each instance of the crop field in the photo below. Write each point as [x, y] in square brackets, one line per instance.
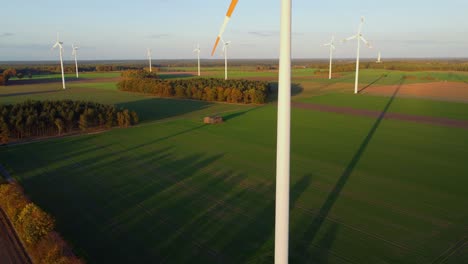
[364, 188]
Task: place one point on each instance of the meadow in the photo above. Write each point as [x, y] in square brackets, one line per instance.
[173, 190]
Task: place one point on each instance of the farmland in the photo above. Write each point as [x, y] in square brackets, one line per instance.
[173, 190]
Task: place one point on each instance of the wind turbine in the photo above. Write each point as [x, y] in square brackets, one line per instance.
[225, 49]
[197, 51]
[332, 48]
[149, 53]
[379, 58]
[74, 53]
[283, 131]
[60, 45]
[359, 38]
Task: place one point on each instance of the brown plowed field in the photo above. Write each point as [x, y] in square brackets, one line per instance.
[453, 91]
[377, 114]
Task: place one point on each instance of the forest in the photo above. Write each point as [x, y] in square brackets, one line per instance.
[51, 118]
[231, 91]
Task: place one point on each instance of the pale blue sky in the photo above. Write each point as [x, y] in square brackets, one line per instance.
[124, 29]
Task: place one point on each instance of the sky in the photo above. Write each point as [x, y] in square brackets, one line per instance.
[117, 30]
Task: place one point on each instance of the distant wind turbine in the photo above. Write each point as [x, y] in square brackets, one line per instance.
[359, 38]
[149, 53]
[197, 51]
[379, 58]
[225, 50]
[60, 45]
[332, 48]
[74, 53]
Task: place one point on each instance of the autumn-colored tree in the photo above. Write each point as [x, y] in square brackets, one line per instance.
[4, 132]
[34, 223]
[83, 123]
[59, 123]
[134, 117]
[12, 200]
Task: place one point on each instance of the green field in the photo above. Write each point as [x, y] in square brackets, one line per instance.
[363, 190]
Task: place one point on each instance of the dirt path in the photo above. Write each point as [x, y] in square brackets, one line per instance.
[11, 250]
[393, 116]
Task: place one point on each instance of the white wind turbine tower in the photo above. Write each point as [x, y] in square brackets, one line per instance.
[283, 130]
[149, 53]
[359, 38]
[332, 48]
[225, 49]
[74, 53]
[197, 51]
[60, 45]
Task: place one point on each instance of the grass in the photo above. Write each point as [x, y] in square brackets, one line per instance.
[363, 190]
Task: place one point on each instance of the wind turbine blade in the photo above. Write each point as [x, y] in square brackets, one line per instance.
[56, 44]
[350, 38]
[226, 20]
[365, 42]
[215, 45]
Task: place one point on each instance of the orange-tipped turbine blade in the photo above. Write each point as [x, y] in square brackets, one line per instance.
[215, 45]
[231, 8]
[226, 20]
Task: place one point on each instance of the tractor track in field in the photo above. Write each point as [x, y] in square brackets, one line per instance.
[216, 202]
[11, 249]
[221, 202]
[438, 121]
[356, 197]
[451, 250]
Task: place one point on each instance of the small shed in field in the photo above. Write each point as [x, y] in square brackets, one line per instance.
[213, 120]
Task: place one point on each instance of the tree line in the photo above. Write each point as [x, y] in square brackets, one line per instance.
[396, 65]
[231, 91]
[50, 118]
[35, 228]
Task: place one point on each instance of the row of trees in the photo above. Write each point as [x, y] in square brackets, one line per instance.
[35, 228]
[29, 71]
[231, 91]
[49, 118]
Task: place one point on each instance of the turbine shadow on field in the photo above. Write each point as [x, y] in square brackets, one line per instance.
[237, 114]
[257, 234]
[373, 82]
[138, 198]
[310, 234]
